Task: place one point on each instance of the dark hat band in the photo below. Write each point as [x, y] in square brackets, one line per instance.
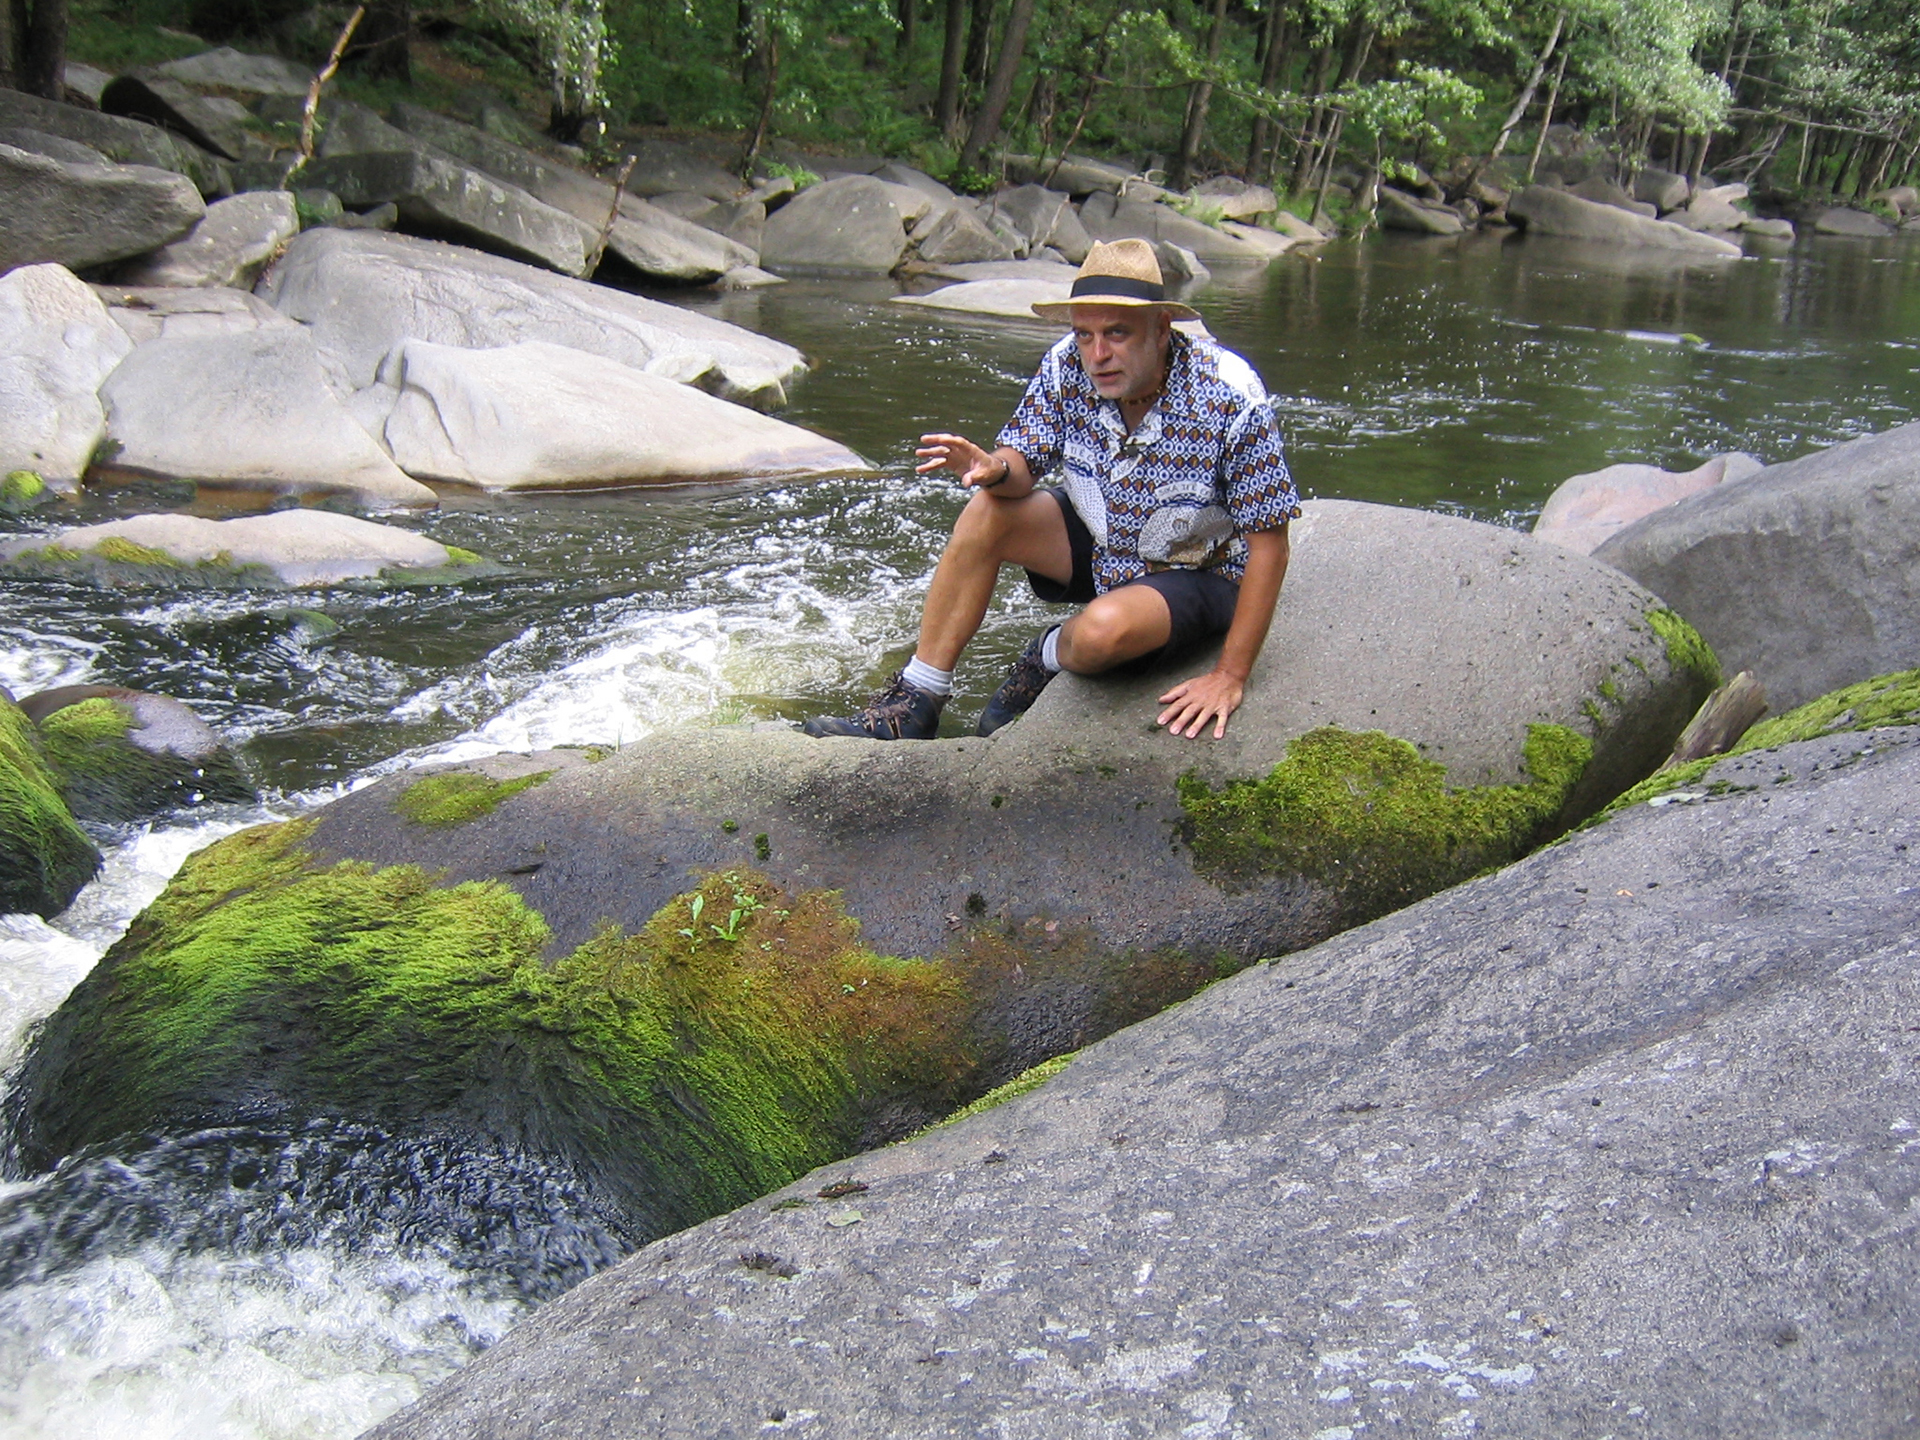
[1089, 286]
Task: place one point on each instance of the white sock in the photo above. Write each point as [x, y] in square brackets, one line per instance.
[1050, 652]
[923, 676]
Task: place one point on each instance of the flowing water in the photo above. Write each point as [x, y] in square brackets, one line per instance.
[256, 1283]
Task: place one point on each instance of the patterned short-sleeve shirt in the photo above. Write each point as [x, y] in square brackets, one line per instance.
[1200, 471]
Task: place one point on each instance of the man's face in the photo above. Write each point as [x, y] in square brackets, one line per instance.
[1123, 347]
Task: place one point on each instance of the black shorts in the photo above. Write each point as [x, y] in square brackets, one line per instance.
[1200, 602]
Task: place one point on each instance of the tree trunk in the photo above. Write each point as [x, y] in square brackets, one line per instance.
[747, 48]
[40, 47]
[765, 122]
[9, 32]
[1546, 115]
[903, 41]
[946, 109]
[979, 34]
[382, 53]
[1273, 56]
[1310, 137]
[1319, 220]
[1013, 47]
[1198, 101]
[1516, 114]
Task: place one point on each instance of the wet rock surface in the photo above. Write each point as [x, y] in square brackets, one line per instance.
[57, 343]
[1806, 573]
[128, 755]
[1587, 510]
[1619, 1138]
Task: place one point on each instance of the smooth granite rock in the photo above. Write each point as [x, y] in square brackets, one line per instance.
[123, 141]
[847, 225]
[1400, 211]
[161, 100]
[229, 246]
[228, 69]
[1806, 573]
[1605, 192]
[147, 313]
[361, 293]
[1616, 1141]
[1559, 212]
[536, 416]
[245, 410]
[1587, 510]
[1661, 188]
[1078, 175]
[57, 343]
[54, 147]
[81, 216]
[1842, 221]
[1237, 199]
[1109, 219]
[960, 237]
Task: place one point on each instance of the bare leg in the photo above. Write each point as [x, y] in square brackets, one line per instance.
[1029, 532]
[1119, 626]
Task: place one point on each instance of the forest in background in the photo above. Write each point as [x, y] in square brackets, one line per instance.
[1815, 97]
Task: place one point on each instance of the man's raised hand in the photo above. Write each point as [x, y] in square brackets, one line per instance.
[973, 465]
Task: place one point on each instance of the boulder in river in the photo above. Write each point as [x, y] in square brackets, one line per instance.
[57, 343]
[960, 237]
[1842, 221]
[127, 755]
[1401, 211]
[81, 216]
[229, 246]
[1662, 189]
[287, 549]
[1237, 199]
[44, 856]
[847, 225]
[1768, 229]
[1588, 510]
[662, 967]
[1605, 192]
[1109, 219]
[361, 293]
[1621, 1127]
[1078, 175]
[1548, 211]
[123, 141]
[536, 416]
[1013, 298]
[1806, 573]
[248, 410]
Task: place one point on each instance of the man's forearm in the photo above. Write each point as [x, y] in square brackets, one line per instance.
[1019, 479]
[1267, 555]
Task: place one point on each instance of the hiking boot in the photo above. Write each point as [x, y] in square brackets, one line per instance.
[1019, 690]
[899, 712]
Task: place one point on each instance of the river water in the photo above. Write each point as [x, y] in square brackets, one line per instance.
[253, 1284]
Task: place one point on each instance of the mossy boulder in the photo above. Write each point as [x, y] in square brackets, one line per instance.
[1437, 698]
[44, 856]
[123, 755]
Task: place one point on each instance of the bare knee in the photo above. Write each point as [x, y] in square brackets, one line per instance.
[1095, 640]
[983, 522]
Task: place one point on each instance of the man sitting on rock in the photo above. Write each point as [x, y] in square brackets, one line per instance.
[1171, 526]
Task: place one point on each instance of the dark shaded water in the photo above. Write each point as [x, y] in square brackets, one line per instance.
[1471, 375]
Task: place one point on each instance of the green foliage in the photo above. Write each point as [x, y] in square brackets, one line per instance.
[970, 182]
[1204, 208]
[1365, 814]
[799, 174]
[44, 856]
[1885, 700]
[458, 797]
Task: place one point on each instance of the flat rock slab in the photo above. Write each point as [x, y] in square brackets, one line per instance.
[126, 142]
[246, 410]
[1013, 299]
[164, 101]
[536, 416]
[147, 312]
[1806, 573]
[363, 292]
[229, 246]
[57, 343]
[1559, 212]
[1615, 1141]
[1587, 510]
[1400, 211]
[287, 548]
[1108, 219]
[230, 69]
[1852, 222]
[81, 215]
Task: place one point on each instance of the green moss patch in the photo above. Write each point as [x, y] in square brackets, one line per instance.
[21, 490]
[1027, 1080]
[1884, 700]
[730, 1044]
[44, 857]
[459, 796]
[1687, 649]
[1365, 813]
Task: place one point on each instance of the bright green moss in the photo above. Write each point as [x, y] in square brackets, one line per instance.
[719, 1051]
[459, 796]
[457, 556]
[1363, 812]
[1686, 649]
[44, 857]
[1885, 700]
[118, 550]
[1026, 1080]
[89, 722]
[21, 488]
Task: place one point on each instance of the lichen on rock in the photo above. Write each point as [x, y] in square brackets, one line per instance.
[1364, 813]
[44, 856]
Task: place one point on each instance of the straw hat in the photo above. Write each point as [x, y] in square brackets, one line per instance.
[1118, 272]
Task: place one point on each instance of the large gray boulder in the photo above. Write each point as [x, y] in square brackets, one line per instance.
[1032, 210]
[960, 237]
[1401, 211]
[1548, 211]
[583, 196]
[362, 292]
[1237, 199]
[1842, 221]
[1012, 297]
[81, 216]
[147, 313]
[1662, 189]
[45, 857]
[128, 755]
[1614, 1141]
[1588, 510]
[1108, 219]
[443, 199]
[57, 343]
[1076, 871]
[161, 100]
[1078, 175]
[285, 549]
[230, 245]
[847, 225]
[1806, 573]
[247, 410]
[662, 165]
[537, 416]
[126, 142]
[1605, 192]
[227, 69]
[38, 142]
